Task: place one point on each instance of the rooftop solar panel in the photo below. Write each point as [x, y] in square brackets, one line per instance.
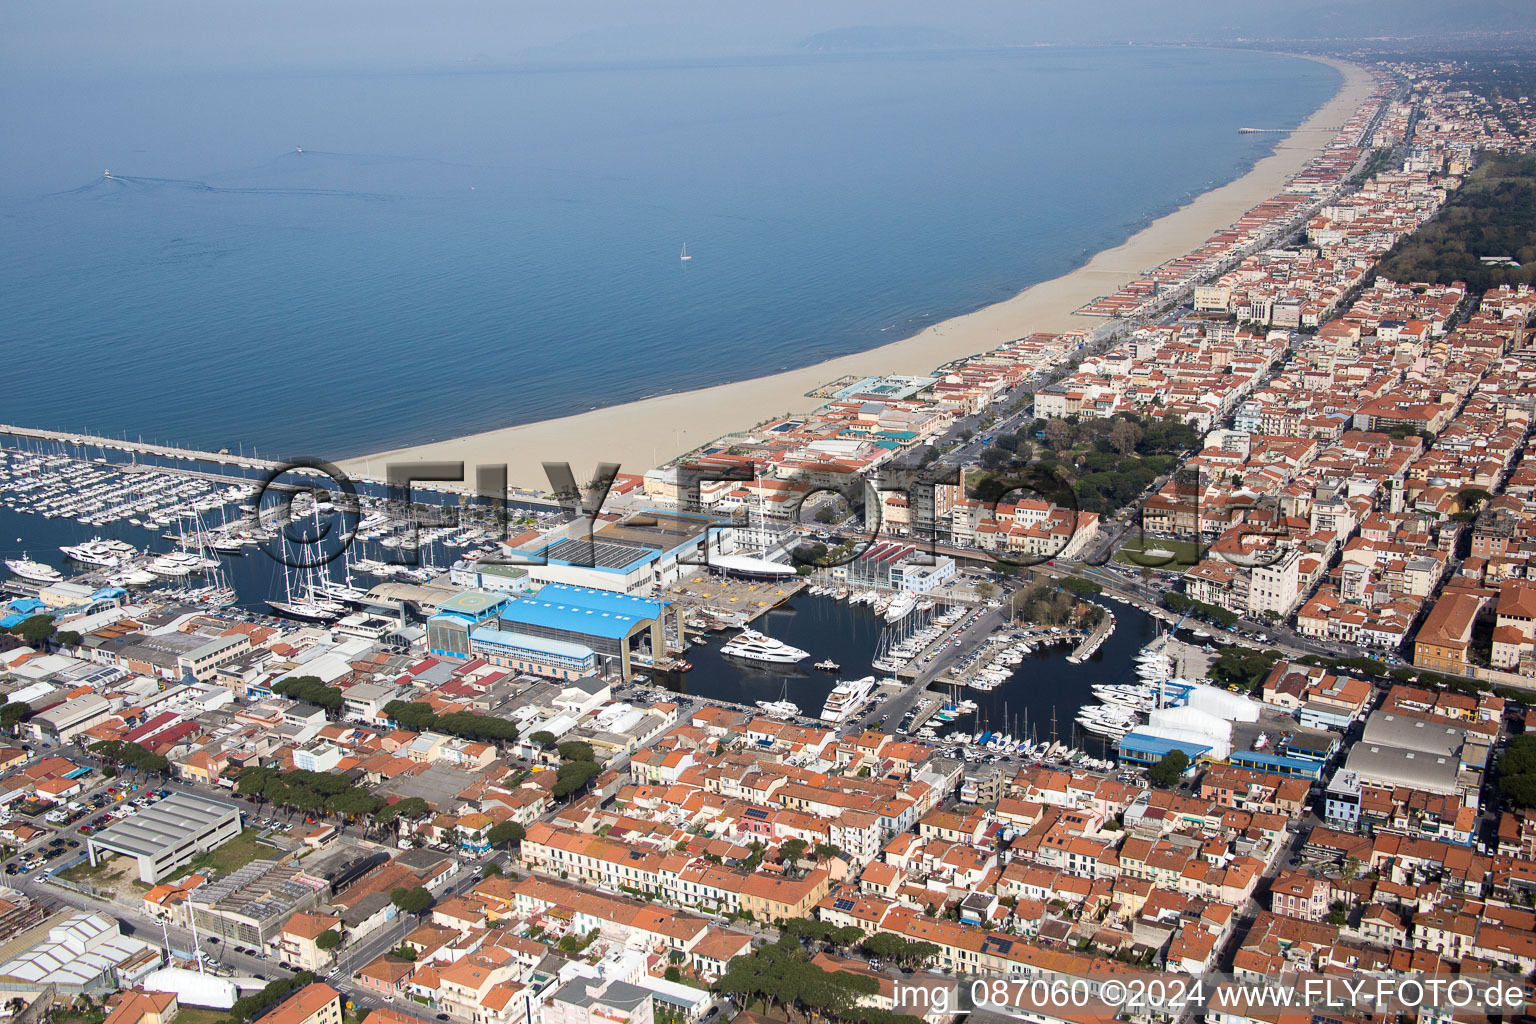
[599, 554]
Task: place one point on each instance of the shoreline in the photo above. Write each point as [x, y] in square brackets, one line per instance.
[642, 434]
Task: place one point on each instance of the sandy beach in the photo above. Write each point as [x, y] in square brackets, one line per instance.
[639, 435]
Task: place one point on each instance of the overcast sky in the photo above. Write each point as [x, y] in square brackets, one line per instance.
[280, 34]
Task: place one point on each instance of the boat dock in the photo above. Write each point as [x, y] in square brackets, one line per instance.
[918, 667]
[993, 661]
[1093, 640]
[926, 707]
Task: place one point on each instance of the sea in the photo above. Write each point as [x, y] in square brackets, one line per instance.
[335, 263]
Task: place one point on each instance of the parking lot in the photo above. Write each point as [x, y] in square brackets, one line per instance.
[66, 827]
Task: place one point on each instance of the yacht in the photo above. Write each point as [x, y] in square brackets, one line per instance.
[901, 606]
[780, 708]
[97, 551]
[180, 563]
[1131, 689]
[828, 665]
[131, 577]
[846, 698]
[218, 596]
[308, 609]
[35, 572]
[1105, 720]
[1099, 727]
[336, 592]
[755, 646]
[783, 707]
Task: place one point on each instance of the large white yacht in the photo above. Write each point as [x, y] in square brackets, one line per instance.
[98, 551]
[180, 563]
[755, 646]
[1106, 721]
[901, 605]
[35, 572]
[846, 698]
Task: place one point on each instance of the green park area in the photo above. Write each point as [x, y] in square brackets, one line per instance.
[1158, 553]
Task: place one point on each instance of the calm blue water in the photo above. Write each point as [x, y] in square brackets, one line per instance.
[454, 252]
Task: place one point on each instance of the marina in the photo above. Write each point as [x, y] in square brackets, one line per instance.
[1033, 682]
[179, 527]
[817, 650]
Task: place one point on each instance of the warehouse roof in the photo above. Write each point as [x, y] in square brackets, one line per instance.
[163, 825]
[1395, 766]
[1413, 732]
[582, 610]
[80, 950]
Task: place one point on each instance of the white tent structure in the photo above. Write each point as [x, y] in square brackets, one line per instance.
[193, 988]
[1224, 704]
[1190, 725]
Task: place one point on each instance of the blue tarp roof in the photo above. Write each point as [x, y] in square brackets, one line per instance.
[582, 610]
[601, 600]
[1145, 744]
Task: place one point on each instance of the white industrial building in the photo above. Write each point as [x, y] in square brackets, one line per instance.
[169, 834]
[83, 954]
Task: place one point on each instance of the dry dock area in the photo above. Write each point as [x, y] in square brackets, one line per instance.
[710, 602]
[1189, 661]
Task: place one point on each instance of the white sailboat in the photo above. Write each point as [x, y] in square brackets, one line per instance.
[685, 257]
[783, 706]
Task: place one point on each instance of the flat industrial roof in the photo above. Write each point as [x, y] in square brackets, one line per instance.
[1143, 743]
[597, 554]
[163, 825]
[586, 621]
[582, 610]
[1413, 732]
[1266, 760]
